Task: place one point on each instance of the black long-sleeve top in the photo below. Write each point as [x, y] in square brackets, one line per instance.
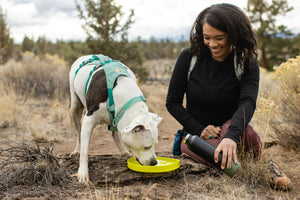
[213, 94]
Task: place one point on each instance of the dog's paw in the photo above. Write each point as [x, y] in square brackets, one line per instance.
[126, 155]
[74, 153]
[82, 179]
[83, 175]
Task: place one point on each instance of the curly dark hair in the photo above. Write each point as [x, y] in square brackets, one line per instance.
[231, 20]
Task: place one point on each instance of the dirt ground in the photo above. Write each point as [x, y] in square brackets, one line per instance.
[110, 178]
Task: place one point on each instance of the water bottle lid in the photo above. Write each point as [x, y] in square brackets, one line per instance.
[186, 138]
[234, 168]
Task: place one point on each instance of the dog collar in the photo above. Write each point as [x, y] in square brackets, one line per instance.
[115, 120]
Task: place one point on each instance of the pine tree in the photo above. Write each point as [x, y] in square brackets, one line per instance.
[103, 20]
[27, 44]
[108, 31]
[263, 15]
[6, 43]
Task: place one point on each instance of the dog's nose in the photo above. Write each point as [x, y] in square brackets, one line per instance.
[153, 162]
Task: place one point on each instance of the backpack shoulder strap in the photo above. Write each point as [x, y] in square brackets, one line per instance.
[239, 70]
[192, 65]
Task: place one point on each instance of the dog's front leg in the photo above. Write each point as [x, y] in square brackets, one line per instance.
[88, 125]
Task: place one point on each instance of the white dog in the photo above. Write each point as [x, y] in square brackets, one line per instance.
[108, 91]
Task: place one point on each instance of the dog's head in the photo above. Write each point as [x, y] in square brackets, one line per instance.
[140, 136]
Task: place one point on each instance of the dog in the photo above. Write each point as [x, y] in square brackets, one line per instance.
[93, 88]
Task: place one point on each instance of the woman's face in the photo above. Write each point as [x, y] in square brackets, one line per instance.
[217, 42]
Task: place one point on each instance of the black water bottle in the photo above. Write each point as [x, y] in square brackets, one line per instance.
[207, 152]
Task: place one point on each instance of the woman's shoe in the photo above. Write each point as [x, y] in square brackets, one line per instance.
[278, 179]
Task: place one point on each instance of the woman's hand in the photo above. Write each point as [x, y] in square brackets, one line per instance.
[228, 147]
[210, 132]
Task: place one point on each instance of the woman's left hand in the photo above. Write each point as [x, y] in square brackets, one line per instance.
[228, 147]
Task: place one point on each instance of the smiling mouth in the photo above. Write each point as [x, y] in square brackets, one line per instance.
[215, 51]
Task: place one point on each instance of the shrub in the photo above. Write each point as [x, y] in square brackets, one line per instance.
[285, 119]
[36, 78]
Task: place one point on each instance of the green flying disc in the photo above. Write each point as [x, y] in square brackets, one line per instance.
[163, 165]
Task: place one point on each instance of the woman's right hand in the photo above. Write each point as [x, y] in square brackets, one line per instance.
[210, 132]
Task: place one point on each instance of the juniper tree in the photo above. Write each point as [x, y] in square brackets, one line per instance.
[6, 43]
[263, 15]
[107, 31]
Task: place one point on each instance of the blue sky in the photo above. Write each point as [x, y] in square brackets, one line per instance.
[57, 19]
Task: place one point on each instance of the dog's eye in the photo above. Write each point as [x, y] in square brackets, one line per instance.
[138, 128]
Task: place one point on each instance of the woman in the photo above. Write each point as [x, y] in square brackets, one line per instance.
[222, 88]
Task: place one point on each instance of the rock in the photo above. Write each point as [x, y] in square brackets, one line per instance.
[4, 125]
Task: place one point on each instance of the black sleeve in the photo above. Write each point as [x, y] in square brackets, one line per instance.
[247, 103]
[176, 92]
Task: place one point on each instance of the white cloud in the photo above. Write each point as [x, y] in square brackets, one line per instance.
[59, 26]
[162, 18]
[58, 19]
[23, 15]
[291, 20]
[62, 26]
[34, 20]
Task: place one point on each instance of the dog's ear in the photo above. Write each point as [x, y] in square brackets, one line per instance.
[156, 118]
[136, 122]
[146, 120]
[129, 128]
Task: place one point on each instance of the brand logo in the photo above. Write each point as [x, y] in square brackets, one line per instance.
[117, 70]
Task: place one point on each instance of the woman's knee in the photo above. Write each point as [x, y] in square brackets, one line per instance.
[251, 141]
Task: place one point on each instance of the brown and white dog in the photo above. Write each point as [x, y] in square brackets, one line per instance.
[137, 128]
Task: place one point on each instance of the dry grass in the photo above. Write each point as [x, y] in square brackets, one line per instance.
[33, 83]
[25, 164]
[160, 69]
[36, 78]
[8, 109]
[35, 118]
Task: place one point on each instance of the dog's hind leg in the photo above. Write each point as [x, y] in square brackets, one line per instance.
[75, 110]
[88, 124]
[119, 144]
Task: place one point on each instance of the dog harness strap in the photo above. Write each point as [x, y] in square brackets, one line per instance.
[109, 66]
[125, 107]
[110, 105]
[98, 61]
[112, 72]
[90, 75]
[94, 60]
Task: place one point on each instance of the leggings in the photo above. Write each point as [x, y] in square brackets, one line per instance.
[249, 142]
